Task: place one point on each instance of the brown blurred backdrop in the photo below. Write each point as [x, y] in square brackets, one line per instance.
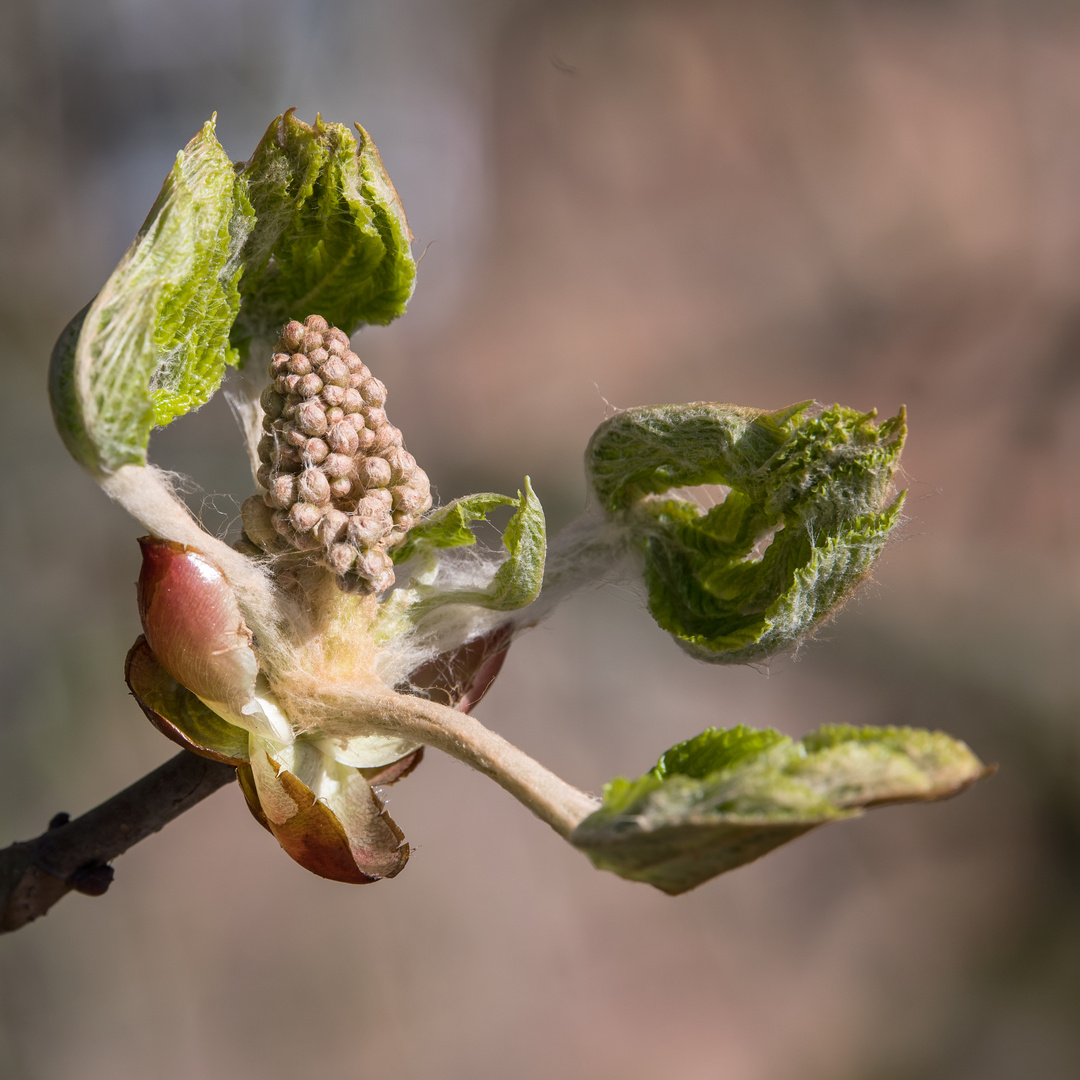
[632, 202]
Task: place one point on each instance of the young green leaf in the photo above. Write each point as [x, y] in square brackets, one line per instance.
[153, 344]
[725, 798]
[807, 515]
[449, 525]
[331, 236]
[517, 580]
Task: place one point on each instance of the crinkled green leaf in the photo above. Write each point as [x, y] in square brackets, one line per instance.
[725, 798]
[154, 343]
[518, 580]
[808, 513]
[331, 237]
[713, 751]
[449, 525]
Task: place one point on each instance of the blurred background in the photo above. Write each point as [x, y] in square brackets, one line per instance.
[620, 203]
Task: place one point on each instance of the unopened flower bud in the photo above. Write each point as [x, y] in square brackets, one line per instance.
[333, 395]
[311, 418]
[315, 452]
[282, 491]
[332, 527]
[342, 438]
[338, 465]
[309, 386]
[299, 364]
[303, 516]
[373, 392]
[314, 487]
[376, 567]
[256, 518]
[292, 335]
[341, 557]
[385, 436]
[335, 372]
[401, 463]
[375, 503]
[272, 402]
[373, 472]
[413, 497]
[365, 532]
[337, 341]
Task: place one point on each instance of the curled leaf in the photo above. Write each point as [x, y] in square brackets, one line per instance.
[331, 235]
[153, 344]
[324, 814]
[177, 713]
[727, 797]
[516, 581]
[809, 510]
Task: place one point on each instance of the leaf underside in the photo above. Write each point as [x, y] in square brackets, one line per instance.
[153, 344]
[727, 797]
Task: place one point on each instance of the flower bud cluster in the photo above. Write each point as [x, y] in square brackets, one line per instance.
[336, 478]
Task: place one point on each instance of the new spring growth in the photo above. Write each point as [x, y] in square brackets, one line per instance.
[335, 475]
[352, 624]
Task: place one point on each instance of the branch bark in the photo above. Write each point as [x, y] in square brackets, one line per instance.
[35, 874]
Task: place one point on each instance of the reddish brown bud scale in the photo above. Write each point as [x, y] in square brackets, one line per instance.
[193, 624]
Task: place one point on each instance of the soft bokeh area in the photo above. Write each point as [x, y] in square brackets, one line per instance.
[619, 203]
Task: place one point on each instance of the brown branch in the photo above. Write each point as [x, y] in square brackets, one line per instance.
[34, 874]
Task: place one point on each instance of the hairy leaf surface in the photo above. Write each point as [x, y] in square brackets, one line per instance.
[809, 511]
[331, 237]
[155, 341]
[727, 797]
